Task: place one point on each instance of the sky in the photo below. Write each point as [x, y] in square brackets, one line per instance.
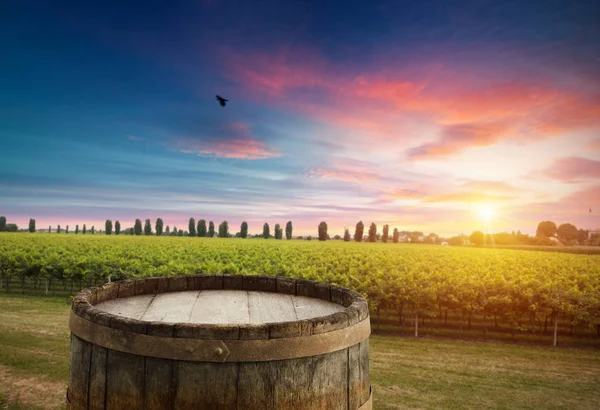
[413, 114]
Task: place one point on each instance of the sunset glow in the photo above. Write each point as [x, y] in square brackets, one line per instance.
[428, 118]
[486, 213]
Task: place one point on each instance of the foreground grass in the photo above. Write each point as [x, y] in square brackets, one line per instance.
[406, 373]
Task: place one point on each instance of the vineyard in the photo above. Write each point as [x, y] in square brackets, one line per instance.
[406, 285]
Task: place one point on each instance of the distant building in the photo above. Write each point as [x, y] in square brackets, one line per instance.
[556, 241]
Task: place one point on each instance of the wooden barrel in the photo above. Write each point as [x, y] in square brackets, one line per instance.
[219, 342]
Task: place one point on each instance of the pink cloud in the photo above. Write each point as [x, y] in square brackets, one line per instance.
[404, 194]
[456, 138]
[573, 169]
[589, 195]
[595, 145]
[470, 111]
[468, 196]
[342, 175]
[274, 74]
[490, 186]
[236, 141]
[233, 148]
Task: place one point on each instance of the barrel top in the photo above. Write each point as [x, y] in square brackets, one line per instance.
[220, 307]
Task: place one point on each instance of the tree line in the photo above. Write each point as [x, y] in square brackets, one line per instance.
[547, 233]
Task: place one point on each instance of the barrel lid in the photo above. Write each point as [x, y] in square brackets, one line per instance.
[222, 306]
[218, 318]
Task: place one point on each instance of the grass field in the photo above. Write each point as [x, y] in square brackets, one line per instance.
[426, 373]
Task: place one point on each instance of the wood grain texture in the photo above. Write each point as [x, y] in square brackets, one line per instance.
[316, 382]
[171, 307]
[205, 385]
[79, 372]
[97, 384]
[158, 389]
[218, 307]
[226, 307]
[360, 387]
[365, 385]
[132, 307]
[159, 373]
[125, 381]
[219, 342]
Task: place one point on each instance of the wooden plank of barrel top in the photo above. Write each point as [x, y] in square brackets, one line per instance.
[219, 341]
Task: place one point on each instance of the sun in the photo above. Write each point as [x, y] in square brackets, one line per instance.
[486, 212]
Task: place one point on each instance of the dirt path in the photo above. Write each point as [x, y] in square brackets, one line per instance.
[31, 390]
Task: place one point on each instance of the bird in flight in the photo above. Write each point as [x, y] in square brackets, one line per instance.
[221, 100]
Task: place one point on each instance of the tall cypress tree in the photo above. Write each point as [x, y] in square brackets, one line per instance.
[224, 230]
[244, 229]
[396, 235]
[137, 227]
[76, 229]
[288, 230]
[323, 231]
[84, 230]
[31, 225]
[211, 229]
[108, 227]
[159, 226]
[117, 227]
[278, 231]
[373, 232]
[385, 234]
[91, 230]
[148, 227]
[67, 229]
[202, 228]
[2, 223]
[192, 227]
[58, 229]
[359, 231]
[266, 231]
[346, 235]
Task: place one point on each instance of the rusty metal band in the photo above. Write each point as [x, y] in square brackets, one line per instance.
[220, 351]
[368, 405]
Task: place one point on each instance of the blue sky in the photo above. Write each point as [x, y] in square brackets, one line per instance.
[415, 114]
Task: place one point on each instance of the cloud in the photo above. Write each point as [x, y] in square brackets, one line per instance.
[456, 138]
[470, 109]
[235, 148]
[134, 138]
[404, 194]
[573, 169]
[490, 186]
[595, 145]
[342, 175]
[234, 140]
[590, 195]
[570, 112]
[467, 196]
[275, 74]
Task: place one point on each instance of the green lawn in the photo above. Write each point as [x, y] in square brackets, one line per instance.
[423, 373]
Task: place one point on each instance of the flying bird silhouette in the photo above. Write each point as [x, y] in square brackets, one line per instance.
[221, 100]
